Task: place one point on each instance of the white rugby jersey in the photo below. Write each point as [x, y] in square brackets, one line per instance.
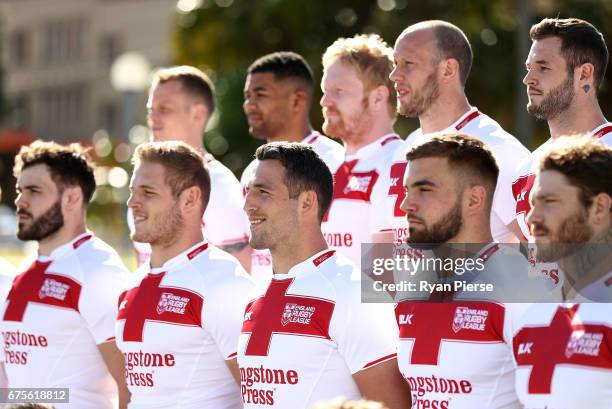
[7, 274]
[56, 314]
[563, 355]
[224, 221]
[332, 154]
[521, 190]
[177, 328]
[458, 355]
[525, 176]
[361, 185]
[506, 149]
[304, 337]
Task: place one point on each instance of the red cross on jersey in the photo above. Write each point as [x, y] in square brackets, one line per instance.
[305, 336]
[179, 326]
[563, 354]
[57, 313]
[459, 354]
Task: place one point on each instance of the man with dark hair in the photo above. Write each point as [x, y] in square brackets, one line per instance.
[565, 67]
[58, 319]
[432, 63]
[463, 360]
[278, 95]
[570, 218]
[308, 337]
[177, 328]
[181, 102]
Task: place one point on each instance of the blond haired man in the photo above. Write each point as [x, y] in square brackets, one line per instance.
[181, 102]
[359, 108]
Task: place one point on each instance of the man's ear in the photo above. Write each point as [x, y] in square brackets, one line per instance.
[600, 209]
[476, 198]
[72, 198]
[308, 203]
[299, 101]
[200, 112]
[450, 70]
[190, 200]
[379, 97]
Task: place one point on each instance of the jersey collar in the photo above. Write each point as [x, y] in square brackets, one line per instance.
[370, 148]
[311, 137]
[64, 248]
[187, 255]
[307, 265]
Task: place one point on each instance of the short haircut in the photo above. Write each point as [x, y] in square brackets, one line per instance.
[285, 65]
[467, 156]
[585, 162]
[184, 166]
[581, 43]
[69, 165]
[194, 82]
[452, 43]
[304, 170]
[372, 59]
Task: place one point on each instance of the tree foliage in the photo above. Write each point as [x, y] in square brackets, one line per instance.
[224, 37]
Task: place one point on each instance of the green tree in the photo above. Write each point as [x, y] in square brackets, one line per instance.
[224, 37]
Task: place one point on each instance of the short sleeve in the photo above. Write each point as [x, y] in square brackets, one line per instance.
[223, 311]
[366, 334]
[508, 158]
[99, 298]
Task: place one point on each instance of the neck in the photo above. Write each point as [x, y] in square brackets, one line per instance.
[589, 263]
[187, 238]
[357, 142]
[473, 231]
[64, 235]
[288, 255]
[196, 141]
[444, 112]
[295, 133]
[579, 118]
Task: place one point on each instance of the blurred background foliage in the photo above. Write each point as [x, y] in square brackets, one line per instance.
[223, 37]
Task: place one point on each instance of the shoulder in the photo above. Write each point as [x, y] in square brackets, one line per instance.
[219, 270]
[99, 266]
[341, 276]
[220, 174]
[492, 133]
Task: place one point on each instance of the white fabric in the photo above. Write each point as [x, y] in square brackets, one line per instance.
[314, 333]
[7, 274]
[191, 317]
[521, 190]
[65, 319]
[508, 153]
[458, 354]
[354, 215]
[571, 365]
[224, 221]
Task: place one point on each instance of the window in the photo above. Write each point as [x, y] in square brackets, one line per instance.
[20, 48]
[63, 41]
[110, 48]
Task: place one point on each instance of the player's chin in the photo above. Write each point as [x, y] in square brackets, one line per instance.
[141, 237]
